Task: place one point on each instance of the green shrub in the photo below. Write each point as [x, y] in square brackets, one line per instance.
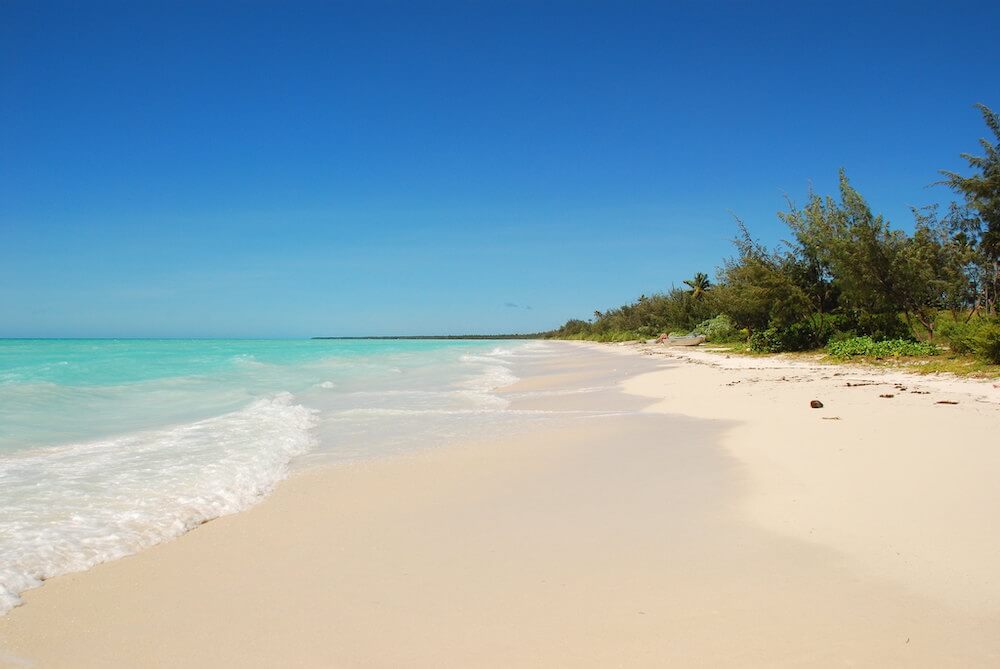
[841, 335]
[988, 344]
[870, 348]
[766, 341]
[801, 336]
[718, 329]
[961, 336]
[979, 337]
[880, 327]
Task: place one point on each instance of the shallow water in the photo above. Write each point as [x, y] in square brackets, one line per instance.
[110, 446]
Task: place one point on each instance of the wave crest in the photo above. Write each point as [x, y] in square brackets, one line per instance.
[67, 508]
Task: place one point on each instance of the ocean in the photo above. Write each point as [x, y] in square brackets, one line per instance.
[110, 446]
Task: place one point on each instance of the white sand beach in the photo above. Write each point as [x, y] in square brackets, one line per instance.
[699, 513]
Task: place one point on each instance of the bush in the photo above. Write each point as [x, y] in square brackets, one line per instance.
[870, 348]
[766, 341]
[880, 327]
[804, 335]
[979, 337]
[961, 336]
[841, 335]
[718, 329]
[801, 336]
[988, 345]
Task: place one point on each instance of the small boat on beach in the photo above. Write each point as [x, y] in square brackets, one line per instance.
[681, 340]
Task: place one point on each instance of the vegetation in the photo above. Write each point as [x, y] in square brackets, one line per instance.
[847, 281]
[976, 220]
[699, 285]
[719, 329]
[886, 348]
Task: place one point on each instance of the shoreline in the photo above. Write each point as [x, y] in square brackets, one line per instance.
[105, 453]
[682, 520]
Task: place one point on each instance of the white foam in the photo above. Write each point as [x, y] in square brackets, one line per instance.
[471, 357]
[561, 392]
[67, 508]
[347, 414]
[492, 375]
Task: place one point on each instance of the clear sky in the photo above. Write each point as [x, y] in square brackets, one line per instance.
[294, 168]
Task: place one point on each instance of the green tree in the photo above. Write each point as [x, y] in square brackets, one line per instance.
[921, 275]
[699, 285]
[942, 267]
[844, 251]
[845, 258]
[808, 261]
[863, 255]
[756, 291]
[979, 219]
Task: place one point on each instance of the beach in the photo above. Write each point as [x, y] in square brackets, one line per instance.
[674, 508]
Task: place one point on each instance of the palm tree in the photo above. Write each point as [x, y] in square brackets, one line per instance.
[699, 285]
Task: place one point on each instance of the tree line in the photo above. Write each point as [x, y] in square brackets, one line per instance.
[846, 272]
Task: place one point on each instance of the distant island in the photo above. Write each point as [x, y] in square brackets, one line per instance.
[536, 335]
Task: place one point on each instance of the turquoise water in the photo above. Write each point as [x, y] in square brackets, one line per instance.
[109, 446]
[54, 390]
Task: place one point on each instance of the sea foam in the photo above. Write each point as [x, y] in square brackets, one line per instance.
[108, 447]
[70, 507]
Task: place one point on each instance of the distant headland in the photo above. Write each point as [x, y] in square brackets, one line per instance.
[536, 335]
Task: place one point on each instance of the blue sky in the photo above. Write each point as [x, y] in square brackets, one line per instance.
[295, 168]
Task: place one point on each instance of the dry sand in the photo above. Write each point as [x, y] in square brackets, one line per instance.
[708, 517]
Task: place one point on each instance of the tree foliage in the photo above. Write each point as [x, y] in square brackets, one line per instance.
[699, 285]
[977, 221]
[845, 272]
